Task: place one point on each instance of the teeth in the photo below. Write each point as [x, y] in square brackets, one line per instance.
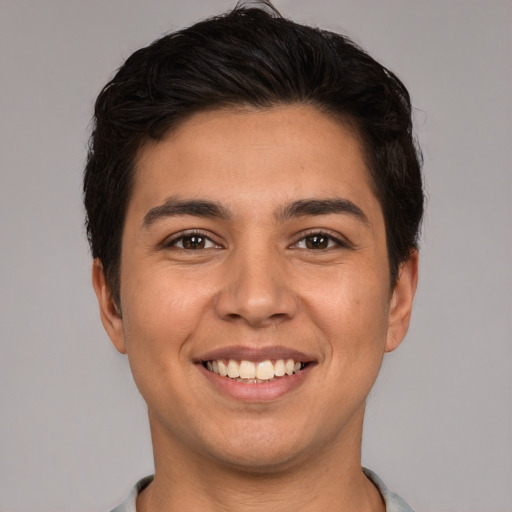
[233, 369]
[265, 370]
[279, 368]
[248, 371]
[223, 369]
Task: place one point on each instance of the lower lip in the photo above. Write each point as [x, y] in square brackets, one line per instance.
[259, 392]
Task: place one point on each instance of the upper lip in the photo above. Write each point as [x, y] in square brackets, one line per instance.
[240, 352]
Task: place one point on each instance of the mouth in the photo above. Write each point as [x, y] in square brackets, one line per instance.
[254, 372]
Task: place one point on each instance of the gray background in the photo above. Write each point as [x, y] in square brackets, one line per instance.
[73, 431]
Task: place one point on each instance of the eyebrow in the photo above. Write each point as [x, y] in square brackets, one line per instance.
[174, 207]
[316, 207]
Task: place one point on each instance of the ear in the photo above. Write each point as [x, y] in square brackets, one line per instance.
[401, 302]
[109, 311]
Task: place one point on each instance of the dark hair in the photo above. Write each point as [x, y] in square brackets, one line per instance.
[250, 57]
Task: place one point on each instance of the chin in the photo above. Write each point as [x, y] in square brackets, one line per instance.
[259, 461]
[258, 450]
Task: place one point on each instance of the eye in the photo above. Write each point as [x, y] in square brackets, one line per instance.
[192, 241]
[319, 241]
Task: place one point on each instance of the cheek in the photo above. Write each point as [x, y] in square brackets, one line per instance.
[161, 311]
[352, 313]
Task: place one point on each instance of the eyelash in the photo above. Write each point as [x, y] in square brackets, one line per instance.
[175, 240]
[338, 242]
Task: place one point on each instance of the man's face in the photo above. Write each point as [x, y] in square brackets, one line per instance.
[253, 238]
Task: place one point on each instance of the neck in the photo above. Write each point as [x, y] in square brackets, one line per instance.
[328, 478]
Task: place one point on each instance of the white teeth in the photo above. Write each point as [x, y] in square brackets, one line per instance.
[233, 369]
[248, 371]
[265, 370]
[223, 369]
[279, 368]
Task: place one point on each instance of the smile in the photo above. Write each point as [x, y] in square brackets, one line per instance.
[254, 372]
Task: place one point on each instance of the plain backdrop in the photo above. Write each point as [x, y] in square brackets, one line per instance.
[73, 430]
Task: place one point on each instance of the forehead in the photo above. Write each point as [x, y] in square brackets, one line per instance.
[248, 157]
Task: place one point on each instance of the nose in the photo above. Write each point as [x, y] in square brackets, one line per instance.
[257, 290]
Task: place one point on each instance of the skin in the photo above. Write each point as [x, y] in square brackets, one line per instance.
[256, 282]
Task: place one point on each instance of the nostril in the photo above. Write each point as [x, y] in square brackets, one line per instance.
[256, 297]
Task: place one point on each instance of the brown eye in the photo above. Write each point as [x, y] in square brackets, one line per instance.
[317, 242]
[193, 242]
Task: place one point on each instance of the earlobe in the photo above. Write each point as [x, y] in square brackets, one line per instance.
[109, 311]
[400, 307]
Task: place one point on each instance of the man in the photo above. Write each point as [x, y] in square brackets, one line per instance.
[253, 197]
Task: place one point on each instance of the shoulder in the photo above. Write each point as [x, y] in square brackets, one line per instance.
[129, 503]
[394, 503]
